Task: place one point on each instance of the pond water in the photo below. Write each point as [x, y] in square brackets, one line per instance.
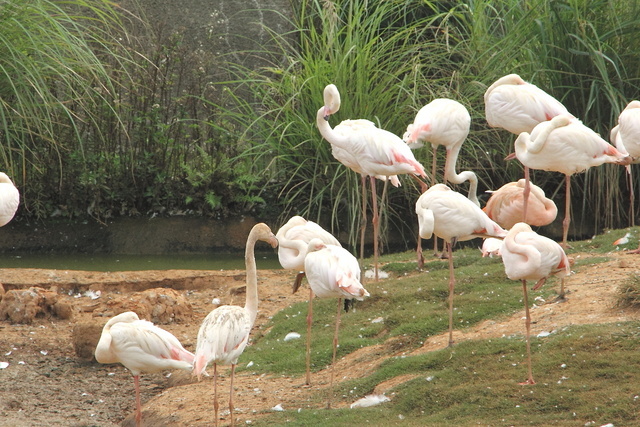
[114, 262]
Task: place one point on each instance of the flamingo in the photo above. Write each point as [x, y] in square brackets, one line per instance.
[224, 333]
[9, 199]
[528, 256]
[452, 217]
[443, 122]
[140, 346]
[563, 144]
[518, 106]
[332, 272]
[367, 150]
[626, 137]
[293, 241]
[506, 205]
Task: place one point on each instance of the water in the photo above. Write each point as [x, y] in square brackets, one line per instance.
[114, 262]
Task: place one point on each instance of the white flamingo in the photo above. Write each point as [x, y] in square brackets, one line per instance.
[293, 241]
[224, 333]
[452, 217]
[528, 256]
[140, 346]
[9, 199]
[367, 150]
[332, 272]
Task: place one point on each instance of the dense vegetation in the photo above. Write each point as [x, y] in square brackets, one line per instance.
[103, 116]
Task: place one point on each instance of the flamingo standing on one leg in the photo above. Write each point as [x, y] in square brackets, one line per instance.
[293, 241]
[452, 217]
[224, 333]
[528, 256]
[626, 137]
[332, 272]
[506, 205]
[443, 122]
[9, 199]
[369, 150]
[563, 144]
[141, 347]
[518, 106]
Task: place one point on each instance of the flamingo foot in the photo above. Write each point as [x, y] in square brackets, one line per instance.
[635, 251]
[530, 381]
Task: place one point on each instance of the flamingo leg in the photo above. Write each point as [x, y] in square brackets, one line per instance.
[215, 394]
[383, 199]
[527, 324]
[335, 349]
[452, 282]
[136, 383]
[363, 225]
[632, 198]
[309, 321]
[567, 212]
[376, 225]
[233, 371]
[525, 194]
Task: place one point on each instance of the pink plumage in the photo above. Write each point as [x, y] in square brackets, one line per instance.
[9, 199]
[506, 205]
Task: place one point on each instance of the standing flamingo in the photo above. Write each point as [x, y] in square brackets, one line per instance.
[224, 333]
[332, 272]
[506, 206]
[9, 199]
[293, 241]
[528, 256]
[367, 150]
[443, 122]
[518, 106]
[626, 137]
[452, 217]
[141, 347]
[563, 144]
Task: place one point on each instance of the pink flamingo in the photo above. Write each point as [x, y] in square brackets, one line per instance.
[293, 241]
[563, 144]
[506, 205]
[443, 122]
[140, 346]
[9, 199]
[528, 256]
[224, 333]
[452, 217]
[367, 150]
[332, 272]
[626, 137]
[518, 106]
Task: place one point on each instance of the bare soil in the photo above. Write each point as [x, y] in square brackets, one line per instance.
[51, 380]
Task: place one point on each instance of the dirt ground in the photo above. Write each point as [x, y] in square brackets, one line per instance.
[51, 380]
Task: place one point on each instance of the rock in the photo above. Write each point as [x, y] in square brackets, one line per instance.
[24, 305]
[85, 337]
[158, 305]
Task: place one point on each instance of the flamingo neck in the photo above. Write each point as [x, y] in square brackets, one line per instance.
[327, 132]
[458, 178]
[251, 304]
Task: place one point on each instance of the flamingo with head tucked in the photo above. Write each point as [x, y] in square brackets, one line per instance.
[506, 205]
[443, 122]
[224, 333]
[626, 137]
[332, 272]
[563, 144]
[141, 347]
[452, 217]
[369, 151]
[528, 256]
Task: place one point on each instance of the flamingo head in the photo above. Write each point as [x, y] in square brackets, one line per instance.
[331, 100]
[315, 244]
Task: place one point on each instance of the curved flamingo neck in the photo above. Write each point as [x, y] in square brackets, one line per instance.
[327, 131]
[530, 254]
[458, 178]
